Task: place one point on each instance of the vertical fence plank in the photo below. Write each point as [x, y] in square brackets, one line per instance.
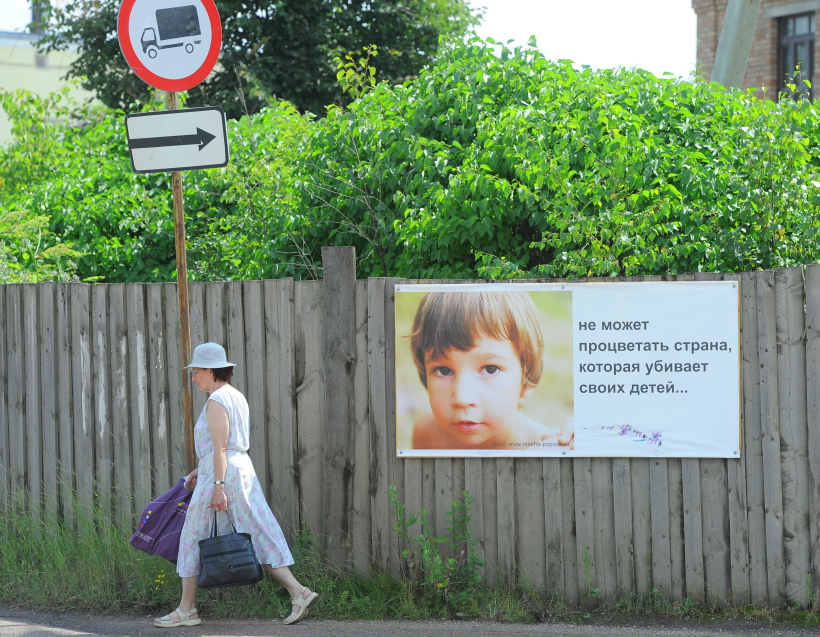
[659, 503]
[813, 416]
[791, 387]
[236, 336]
[428, 492]
[444, 493]
[622, 500]
[196, 316]
[770, 425]
[17, 428]
[604, 529]
[214, 312]
[714, 498]
[474, 485]
[395, 466]
[138, 395]
[412, 490]
[175, 375]
[505, 474]
[553, 526]
[642, 524]
[338, 369]
[64, 388]
[752, 447]
[120, 413]
[280, 403]
[489, 487]
[4, 399]
[253, 312]
[310, 402]
[715, 503]
[48, 392]
[32, 404]
[378, 421]
[361, 523]
[530, 538]
[693, 530]
[738, 509]
[676, 547]
[568, 536]
[83, 407]
[158, 383]
[101, 380]
[585, 530]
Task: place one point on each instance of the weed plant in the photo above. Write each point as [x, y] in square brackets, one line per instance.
[89, 565]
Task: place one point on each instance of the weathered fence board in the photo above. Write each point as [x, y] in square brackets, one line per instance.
[138, 396]
[770, 424]
[158, 386]
[102, 409]
[64, 388]
[120, 421]
[752, 443]
[90, 389]
[83, 408]
[813, 416]
[280, 370]
[310, 402]
[791, 387]
[33, 420]
[48, 384]
[553, 523]
[175, 375]
[4, 401]
[254, 320]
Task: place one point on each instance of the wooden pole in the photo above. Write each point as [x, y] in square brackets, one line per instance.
[735, 42]
[184, 322]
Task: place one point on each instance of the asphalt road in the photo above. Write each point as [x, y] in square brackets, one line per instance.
[18, 623]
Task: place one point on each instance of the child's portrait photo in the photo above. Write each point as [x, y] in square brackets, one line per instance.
[483, 372]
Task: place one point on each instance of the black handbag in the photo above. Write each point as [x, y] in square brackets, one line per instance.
[228, 560]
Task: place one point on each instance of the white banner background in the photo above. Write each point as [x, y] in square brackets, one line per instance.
[619, 409]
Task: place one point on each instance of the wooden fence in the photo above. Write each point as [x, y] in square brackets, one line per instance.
[90, 403]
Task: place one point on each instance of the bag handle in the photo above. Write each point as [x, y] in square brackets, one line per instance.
[215, 529]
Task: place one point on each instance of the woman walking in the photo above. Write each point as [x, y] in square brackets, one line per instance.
[226, 481]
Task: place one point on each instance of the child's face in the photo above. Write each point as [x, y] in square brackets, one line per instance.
[474, 394]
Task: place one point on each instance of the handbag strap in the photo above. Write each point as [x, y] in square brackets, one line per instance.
[215, 529]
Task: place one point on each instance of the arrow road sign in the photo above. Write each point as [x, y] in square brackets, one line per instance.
[201, 139]
[177, 140]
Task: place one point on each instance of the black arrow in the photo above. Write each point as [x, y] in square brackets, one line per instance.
[202, 139]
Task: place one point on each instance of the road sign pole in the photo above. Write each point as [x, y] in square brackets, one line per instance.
[184, 317]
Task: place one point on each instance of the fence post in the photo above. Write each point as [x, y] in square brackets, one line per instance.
[339, 366]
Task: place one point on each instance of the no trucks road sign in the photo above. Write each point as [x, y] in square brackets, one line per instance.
[170, 44]
[168, 141]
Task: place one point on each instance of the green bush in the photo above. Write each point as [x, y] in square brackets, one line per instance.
[493, 163]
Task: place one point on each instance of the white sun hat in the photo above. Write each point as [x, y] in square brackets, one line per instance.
[209, 356]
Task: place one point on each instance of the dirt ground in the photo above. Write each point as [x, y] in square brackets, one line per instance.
[19, 623]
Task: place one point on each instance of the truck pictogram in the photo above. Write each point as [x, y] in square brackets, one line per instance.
[178, 24]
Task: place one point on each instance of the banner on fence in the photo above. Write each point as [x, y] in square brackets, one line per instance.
[568, 370]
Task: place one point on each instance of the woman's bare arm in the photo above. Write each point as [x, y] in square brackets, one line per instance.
[219, 426]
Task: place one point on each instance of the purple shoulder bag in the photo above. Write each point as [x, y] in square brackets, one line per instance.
[162, 521]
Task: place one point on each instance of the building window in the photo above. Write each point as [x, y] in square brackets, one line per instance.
[796, 54]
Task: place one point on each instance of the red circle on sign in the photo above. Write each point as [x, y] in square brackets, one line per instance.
[157, 81]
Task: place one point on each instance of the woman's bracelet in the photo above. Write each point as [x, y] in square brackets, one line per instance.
[219, 482]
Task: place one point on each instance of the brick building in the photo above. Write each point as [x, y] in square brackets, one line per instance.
[784, 37]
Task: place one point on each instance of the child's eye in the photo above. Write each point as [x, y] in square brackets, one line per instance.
[491, 369]
[443, 371]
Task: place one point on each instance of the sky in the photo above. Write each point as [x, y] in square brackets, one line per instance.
[656, 35]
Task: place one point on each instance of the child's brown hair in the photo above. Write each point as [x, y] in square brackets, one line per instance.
[447, 320]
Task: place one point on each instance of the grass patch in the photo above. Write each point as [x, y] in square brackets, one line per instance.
[47, 566]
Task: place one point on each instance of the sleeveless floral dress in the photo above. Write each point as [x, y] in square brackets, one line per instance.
[247, 507]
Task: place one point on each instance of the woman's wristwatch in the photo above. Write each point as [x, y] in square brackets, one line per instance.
[219, 482]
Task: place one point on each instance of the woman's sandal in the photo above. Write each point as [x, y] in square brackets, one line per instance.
[184, 619]
[303, 604]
